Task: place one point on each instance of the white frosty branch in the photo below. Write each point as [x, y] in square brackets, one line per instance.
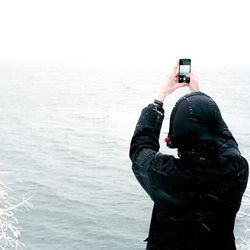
[9, 228]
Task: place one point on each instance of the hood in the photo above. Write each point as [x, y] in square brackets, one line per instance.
[195, 121]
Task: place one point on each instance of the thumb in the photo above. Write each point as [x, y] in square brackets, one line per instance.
[184, 84]
[181, 85]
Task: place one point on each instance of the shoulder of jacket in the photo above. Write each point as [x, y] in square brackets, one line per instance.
[162, 163]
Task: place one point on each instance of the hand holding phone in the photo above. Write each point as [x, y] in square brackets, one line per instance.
[171, 84]
[184, 69]
[194, 82]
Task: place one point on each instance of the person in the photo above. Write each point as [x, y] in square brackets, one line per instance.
[197, 194]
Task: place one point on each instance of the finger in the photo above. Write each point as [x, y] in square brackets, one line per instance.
[175, 69]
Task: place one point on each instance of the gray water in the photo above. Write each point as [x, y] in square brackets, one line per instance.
[65, 134]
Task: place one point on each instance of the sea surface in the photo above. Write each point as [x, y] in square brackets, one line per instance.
[64, 140]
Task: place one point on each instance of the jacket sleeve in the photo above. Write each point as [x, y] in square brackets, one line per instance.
[145, 143]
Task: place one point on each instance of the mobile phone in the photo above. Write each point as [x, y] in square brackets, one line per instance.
[184, 69]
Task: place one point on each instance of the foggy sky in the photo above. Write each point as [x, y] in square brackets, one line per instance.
[125, 33]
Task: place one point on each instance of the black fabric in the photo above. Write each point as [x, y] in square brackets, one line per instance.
[195, 117]
[196, 197]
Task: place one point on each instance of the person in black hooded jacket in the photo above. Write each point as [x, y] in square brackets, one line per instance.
[197, 195]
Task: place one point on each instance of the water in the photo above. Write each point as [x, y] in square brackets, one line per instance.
[65, 134]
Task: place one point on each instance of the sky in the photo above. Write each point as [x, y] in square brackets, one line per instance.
[136, 33]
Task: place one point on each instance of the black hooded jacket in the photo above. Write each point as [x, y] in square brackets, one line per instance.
[196, 196]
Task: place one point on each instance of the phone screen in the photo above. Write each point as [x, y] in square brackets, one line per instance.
[184, 69]
[184, 66]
